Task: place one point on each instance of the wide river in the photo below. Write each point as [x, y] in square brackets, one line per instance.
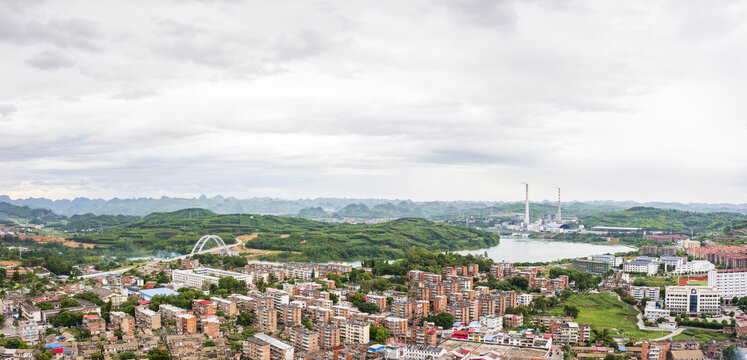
[516, 249]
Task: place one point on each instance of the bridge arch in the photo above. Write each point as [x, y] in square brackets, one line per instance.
[204, 240]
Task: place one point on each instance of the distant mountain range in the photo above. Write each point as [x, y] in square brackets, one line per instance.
[333, 207]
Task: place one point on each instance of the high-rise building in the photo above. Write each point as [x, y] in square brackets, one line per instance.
[730, 282]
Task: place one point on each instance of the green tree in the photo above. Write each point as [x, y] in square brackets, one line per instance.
[69, 302]
[67, 319]
[731, 352]
[442, 319]
[158, 354]
[571, 310]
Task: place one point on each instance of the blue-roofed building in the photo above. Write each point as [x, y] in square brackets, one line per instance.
[149, 293]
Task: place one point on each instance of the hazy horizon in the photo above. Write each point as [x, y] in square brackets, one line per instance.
[422, 100]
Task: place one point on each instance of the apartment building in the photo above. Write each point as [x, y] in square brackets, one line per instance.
[305, 340]
[693, 299]
[571, 333]
[279, 350]
[329, 336]
[267, 318]
[186, 324]
[640, 292]
[354, 332]
[730, 282]
[257, 349]
[147, 318]
[228, 307]
[397, 327]
[210, 325]
[513, 320]
[170, 312]
[122, 322]
[28, 331]
[202, 307]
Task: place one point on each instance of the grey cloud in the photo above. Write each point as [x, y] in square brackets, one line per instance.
[305, 44]
[134, 94]
[74, 33]
[49, 60]
[468, 157]
[491, 13]
[7, 110]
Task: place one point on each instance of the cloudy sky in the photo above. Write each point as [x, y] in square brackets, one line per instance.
[426, 100]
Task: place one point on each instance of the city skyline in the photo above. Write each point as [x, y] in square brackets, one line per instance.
[426, 100]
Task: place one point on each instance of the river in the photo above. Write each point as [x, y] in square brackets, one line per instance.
[516, 249]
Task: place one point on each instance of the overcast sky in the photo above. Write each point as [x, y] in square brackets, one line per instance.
[426, 100]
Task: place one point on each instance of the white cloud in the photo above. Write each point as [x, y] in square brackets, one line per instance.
[422, 100]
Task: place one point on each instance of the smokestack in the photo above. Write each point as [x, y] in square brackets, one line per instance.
[526, 208]
[559, 218]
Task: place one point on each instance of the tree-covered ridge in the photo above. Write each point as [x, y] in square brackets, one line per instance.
[297, 238]
[37, 216]
[675, 221]
[384, 240]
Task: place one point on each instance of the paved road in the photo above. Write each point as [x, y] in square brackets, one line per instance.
[113, 272]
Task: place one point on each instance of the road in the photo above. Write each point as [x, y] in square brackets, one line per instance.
[112, 272]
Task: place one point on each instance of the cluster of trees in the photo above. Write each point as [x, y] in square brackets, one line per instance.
[416, 258]
[378, 335]
[583, 280]
[214, 260]
[516, 283]
[360, 302]
[442, 319]
[695, 322]
[625, 297]
[184, 300]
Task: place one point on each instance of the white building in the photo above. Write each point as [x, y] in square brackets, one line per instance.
[693, 300]
[614, 261]
[492, 321]
[695, 266]
[422, 352]
[730, 282]
[642, 264]
[524, 299]
[198, 278]
[354, 332]
[653, 312]
[672, 262]
[280, 297]
[640, 292]
[28, 331]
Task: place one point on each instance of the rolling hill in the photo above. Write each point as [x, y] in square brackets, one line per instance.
[675, 221]
[294, 238]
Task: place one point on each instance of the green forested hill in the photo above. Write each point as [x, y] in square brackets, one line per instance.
[384, 240]
[676, 221]
[297, 238]
[25, 213]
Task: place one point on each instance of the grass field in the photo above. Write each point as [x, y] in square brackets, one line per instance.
[703, 336]
[605, 311]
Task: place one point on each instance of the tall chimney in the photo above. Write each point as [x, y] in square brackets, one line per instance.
[526, 209]
[559, 218]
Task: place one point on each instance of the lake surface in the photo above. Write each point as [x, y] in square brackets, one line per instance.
[515, 249]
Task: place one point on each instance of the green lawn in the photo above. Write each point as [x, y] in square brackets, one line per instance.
[660, 282]
[605, 311]
[703, 336]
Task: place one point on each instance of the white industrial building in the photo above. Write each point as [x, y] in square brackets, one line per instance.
[693, 300]
[730, 282]
[198, 278]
